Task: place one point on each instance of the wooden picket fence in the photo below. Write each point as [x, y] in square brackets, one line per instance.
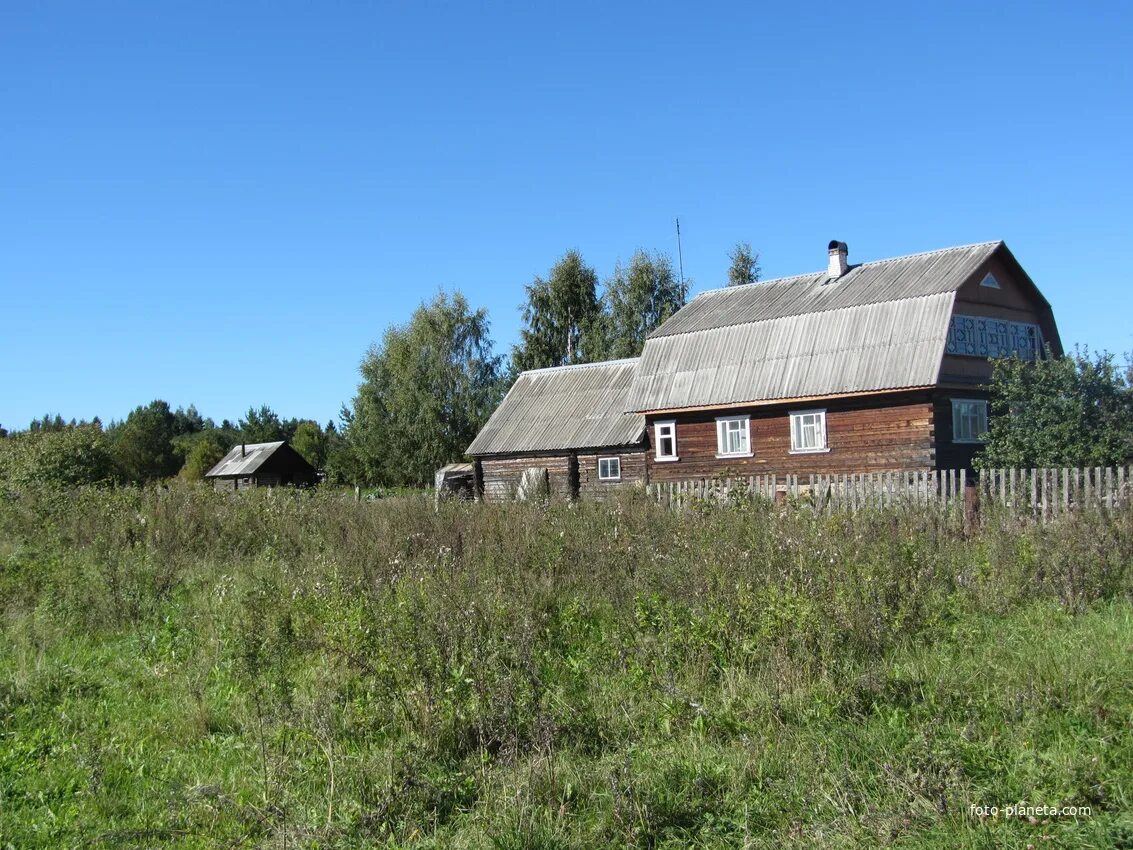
[1042, 493]
[1050, 492]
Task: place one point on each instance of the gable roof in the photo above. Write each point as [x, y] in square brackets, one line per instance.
[563, 408]
[244, 459]
[880, 326]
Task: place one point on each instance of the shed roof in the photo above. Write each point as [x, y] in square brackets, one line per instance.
[563, 408]
[244, 459]
[880, 326]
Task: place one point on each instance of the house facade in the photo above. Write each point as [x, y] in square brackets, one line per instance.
[857, 368]
[568, 423]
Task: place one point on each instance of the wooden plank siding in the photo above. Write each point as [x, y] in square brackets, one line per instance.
[863, 435]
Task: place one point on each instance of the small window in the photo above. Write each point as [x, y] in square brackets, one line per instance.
[969, 420]
[989, 281]
[733, 436]
[666, 436]
[609, 469]
[808, 431]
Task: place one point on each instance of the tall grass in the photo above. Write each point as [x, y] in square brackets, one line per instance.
[192, 669]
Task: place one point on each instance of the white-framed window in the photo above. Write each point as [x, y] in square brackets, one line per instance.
[733, 436]
[989, 281]
[665, 437]
[969, 420]
[808, 431]
[609, 469]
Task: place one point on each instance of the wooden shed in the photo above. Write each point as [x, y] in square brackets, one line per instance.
[569, 421]
[262, 465]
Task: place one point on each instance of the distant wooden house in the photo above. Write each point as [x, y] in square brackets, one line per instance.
[856, 368]
[262, 465]
[569, 421]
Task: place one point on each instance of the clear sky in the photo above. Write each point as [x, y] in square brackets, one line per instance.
[226, 203]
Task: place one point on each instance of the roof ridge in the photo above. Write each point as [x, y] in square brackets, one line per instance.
[922, 297]
[564, 367]
[787, 278]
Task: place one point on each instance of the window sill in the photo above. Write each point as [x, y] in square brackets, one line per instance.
[736, 454]
[970, 442]
[666, 459]
[609, 480]
[809, 451]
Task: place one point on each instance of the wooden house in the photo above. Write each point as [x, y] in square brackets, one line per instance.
[262, 465]
[855, 368]
[570, 421]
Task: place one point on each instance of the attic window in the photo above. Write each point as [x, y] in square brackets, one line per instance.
[983, 336]
[989, 281]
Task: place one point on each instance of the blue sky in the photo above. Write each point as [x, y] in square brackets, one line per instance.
[226, 204]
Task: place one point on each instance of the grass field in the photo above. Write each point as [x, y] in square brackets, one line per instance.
[184, 669]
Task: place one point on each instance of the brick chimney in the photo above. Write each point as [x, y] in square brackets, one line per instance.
[838, 252]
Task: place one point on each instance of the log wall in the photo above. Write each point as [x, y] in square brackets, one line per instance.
[502, 474]
[863, 435]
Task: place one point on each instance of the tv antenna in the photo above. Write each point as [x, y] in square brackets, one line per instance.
[680, 257]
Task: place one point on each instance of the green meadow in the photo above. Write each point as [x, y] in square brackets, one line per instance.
[186, 669]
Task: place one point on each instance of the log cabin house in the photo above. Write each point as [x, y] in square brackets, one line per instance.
[881, 366]
[262, 465]
[570, 421]
[856, 368]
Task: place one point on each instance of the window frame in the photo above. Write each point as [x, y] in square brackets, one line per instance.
[657, 426]
[607, 458]
[815, 411]
[721, 433]
[956, 438]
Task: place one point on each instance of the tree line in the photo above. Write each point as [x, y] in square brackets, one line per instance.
[428, 386]
[152, 443]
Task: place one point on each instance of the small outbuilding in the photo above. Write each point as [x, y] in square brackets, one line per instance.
[562, 432]
[454, 480]
[262, 465]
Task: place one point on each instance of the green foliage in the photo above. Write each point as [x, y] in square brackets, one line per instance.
[182, 669]
[65, 457]
[637, 299]
[143, 444]
[1055, 412]
[205, 451]
[425, 393]
[264, 426]
[558, 316]
[310, 441]
[744, 265]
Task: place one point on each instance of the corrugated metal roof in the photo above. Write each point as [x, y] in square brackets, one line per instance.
[870, 348]
[568, 407]
[880, 326]
[875, 282]
[243, 460]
